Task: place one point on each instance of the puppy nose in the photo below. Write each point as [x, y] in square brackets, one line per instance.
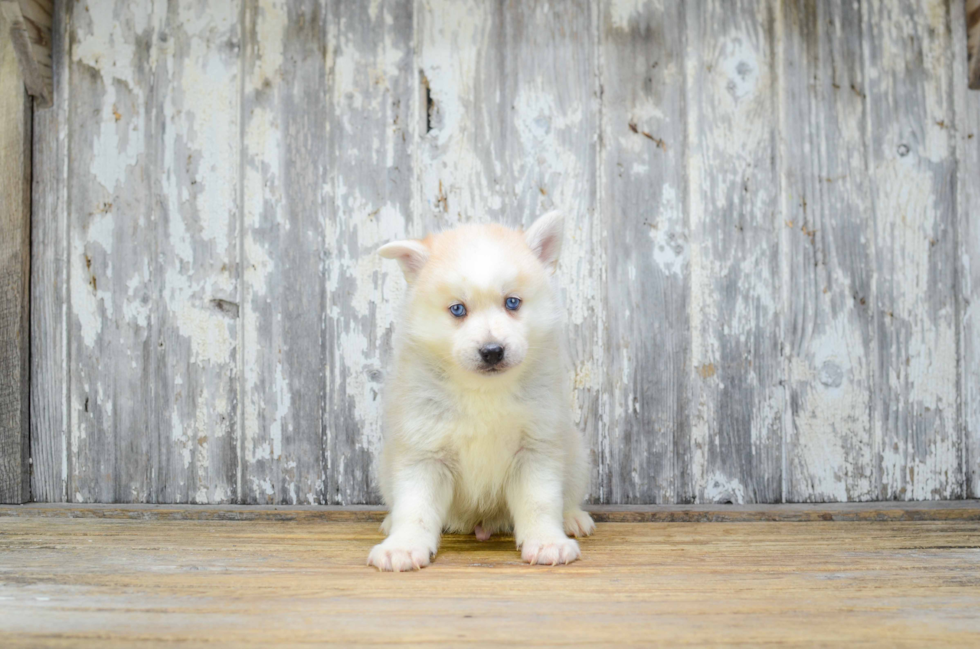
[492, 353]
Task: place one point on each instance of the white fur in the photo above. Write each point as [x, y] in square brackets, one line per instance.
[467, 450]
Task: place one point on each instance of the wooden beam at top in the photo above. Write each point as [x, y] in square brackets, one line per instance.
[29, 22]
[973, 42]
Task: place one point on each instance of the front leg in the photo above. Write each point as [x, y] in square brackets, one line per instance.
[423, 492]
[534, 496]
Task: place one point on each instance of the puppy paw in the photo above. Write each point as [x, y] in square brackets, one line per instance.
[578, 523]
[398, 557]
[550, 552]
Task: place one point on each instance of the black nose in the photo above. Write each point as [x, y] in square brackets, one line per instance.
[492, 353]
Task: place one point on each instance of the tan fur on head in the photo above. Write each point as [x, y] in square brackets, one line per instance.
[478, 433]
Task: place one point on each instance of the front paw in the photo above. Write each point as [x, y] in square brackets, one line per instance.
[550, 552]
[578, 523]
[395, 556]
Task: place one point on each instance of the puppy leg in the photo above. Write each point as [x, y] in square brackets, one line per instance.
[423, 495]
[534, 496]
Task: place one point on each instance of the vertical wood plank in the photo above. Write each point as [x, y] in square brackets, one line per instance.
[152, 267]
[372, 127]
[737, 396]
[971, 26]
[196, 184]
[286, 167]
[49, 296]
[460, 78]
[967, 137]
[912, 171]
[112, 375]
[508, 131]
[644, 211]
[828, 254]
[15, 269]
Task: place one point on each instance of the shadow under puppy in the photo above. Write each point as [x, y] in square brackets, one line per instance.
[478, 430]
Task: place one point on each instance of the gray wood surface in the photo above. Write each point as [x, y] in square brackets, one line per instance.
[967, 140]
[643, 204]
[912, 171]
[972, 43]
[738, 393]
[767, 268]
[828, 340]
[29, 28]
[50, 406]
[15, 270]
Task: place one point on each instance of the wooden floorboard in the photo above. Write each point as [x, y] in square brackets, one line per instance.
[81, 582]
[714, 513]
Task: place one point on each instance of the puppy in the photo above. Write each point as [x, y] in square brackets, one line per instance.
[478, 430]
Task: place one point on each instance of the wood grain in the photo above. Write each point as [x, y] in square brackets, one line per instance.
[155, 583]
[373, 131]
[50, 406]
[935, 510]
[644, 206]
[153, 207]
[972, 25]
[29, 29]
[828, 338]
[912, 170]
[967, 141]
[286, 162]
[769, 271]
[15, 273]
[737, 400]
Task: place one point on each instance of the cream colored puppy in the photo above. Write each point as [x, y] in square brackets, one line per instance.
[478, 430]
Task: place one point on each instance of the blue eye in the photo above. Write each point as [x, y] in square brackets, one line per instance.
[458, 310]
[513, 303]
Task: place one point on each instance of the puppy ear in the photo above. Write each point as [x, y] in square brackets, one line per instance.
[411, 255]
[544, 238]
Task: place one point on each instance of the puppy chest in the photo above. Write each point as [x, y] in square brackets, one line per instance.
[482, 458]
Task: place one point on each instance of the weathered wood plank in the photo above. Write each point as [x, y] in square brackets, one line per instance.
[828, 254]
[737, 400]
[49, 282]
[972, 43]
[196, 216]
[79, 583]
[460, 81]
[15, 273]
[728, 356]
[373, 129]
[912, 173]
[153, 251]
[29, 28]
[287, 171]
[935, 510]
[643, 209]
[967, 137]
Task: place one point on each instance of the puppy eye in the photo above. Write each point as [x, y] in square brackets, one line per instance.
[458, 310]
[513, 303]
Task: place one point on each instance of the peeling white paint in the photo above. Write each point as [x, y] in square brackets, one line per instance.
[508, 154]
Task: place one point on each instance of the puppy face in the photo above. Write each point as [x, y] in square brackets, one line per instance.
[481, 302]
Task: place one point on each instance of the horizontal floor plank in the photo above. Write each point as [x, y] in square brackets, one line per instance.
[939, 510]
[122, 583]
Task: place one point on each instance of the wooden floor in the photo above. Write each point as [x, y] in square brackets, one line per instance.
[99, 582]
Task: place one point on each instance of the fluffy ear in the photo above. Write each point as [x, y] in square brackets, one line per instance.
[411, 255]
[544, 238]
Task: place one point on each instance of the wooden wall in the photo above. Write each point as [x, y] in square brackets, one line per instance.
[771, 271]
